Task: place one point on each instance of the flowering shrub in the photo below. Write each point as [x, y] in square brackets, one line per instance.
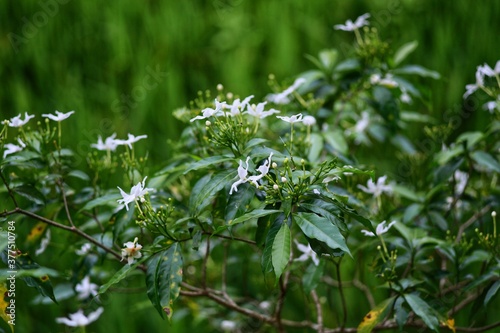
[267, 203]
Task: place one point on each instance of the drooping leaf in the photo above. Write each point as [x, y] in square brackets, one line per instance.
[163, 278]
[404, 51]
[267, 255]
[281, 250]
[375, 316]
[492, 291]
[256, 213]
[31, 193]
[320, 228]
[423, 310]
[335, 138]
[79, 174]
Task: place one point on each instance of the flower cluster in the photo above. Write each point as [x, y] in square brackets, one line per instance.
[110, 143]
[243, 174]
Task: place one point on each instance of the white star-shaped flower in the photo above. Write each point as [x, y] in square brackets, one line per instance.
[85, 288]
[137, 192]
[376, 189]
[209, 112]
[109, 144]
[12, 148]
[131, 139]
[258, 111]
[78, 319]
[293, 119]
[237, 106]
[242, 175]
[17, 122]
[381, 229]
[307, 253]
[351, 26]
[283, 97]
[59, 116]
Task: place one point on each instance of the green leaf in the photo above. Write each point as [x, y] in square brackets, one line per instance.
[404, 51]
[108, 199]
[256, 213]
[281, 250]
[267, 255]
[31, 193]
[423, 310]
[320, 228]
[328, 59]
[120, 275]
[79, 174]
[163, 278]
[316, 147]
[206, 189]
[237, 203]
[326, 209]
[486, 160]
[375, 316]
[312, 276]
[417, 70]
[412, 211]
[206, 162]
[491, 292]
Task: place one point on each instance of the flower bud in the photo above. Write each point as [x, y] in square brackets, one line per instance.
[220, 87]
[274, 165]
[284, 180]
[208, 123]
[493, 214]
[276, 187]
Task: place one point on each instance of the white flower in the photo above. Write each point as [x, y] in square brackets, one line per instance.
[490, 106]
[461, 179]
[471, 88]
[316, 191]
[376, 189]
[85, 288]
[307, 253]
[258, 111]
[228, 325]
[109, 144]
[362, 123]
[388, 81]
[381, 229]
[263, 169]
[209, 112]
[242, 174]
[11, 148]
[17, 122]
[375, 78]
[78, 319]
[237, 106]
[131, 139]
[309, 121]
[131, 251]
[350, 26]
[265, 305]
[331, 179]
[488, 71]
[405, 97]
[44, 243]
[282, 98]
[293, 119]
[59, 116]
[137, 192]
[84, 249]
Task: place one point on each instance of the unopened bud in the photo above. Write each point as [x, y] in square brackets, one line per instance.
[274, 165]
[493, 214]
[220, 87]
[208, 123]
[276, 187]
[284, 180]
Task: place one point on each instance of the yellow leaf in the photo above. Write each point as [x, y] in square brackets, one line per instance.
[375, 316]
[7, 307]
[450, 323]
[36, 232]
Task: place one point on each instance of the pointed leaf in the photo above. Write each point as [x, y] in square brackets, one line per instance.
[375, 316]
[163, 278]
[120, 275]
[404, 51]
[237, 203]
[31, 193]
[491, 292]
[423, 310]
[312, 276]
[4, 303]
[267, 255]
[320, 228]
[417, 70]
[281, 249]
[206, 162]
[203, 194]
[486, 160]
[108, 199]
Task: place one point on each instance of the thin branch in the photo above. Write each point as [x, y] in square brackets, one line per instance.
[62, 226]
[9, 190]
[319, 311]
[66, 207]
[281, 301]
[230, 238]
[470, 221]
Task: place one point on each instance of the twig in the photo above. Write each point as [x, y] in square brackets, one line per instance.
[62, 226]
[9, 190]
[281, 301]
[66, 208]
[230, 238]
[470, 221]
[319, 311]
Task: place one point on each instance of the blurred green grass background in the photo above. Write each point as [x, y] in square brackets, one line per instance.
[98, 58]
